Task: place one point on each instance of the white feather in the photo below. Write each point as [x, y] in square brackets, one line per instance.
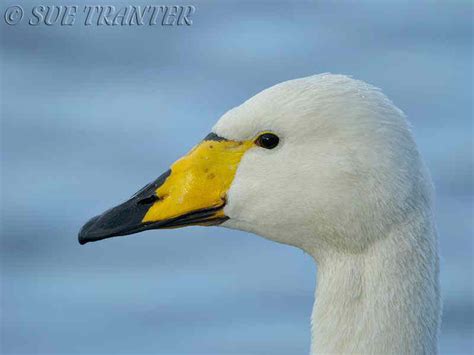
[347, 185]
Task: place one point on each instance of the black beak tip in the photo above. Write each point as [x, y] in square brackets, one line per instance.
[123, 219]
[82, 240]
[84, 234]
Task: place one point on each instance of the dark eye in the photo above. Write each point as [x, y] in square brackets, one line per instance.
[267, 140]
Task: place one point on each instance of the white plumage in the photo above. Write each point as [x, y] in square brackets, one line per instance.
[339, 176]
[347, 185]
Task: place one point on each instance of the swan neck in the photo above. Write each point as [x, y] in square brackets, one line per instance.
[382, 301]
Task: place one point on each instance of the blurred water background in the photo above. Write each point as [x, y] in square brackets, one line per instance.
[89, 114]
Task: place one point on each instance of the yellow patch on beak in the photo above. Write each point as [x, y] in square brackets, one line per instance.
[192, 192]
[198, 181]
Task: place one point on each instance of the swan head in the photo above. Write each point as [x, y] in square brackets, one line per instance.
[322, 163]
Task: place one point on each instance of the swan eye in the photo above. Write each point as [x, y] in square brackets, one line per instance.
[267, 140]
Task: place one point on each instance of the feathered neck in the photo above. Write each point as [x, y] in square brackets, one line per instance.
[384, 300]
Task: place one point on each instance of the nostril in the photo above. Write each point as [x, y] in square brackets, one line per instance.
[148, 200]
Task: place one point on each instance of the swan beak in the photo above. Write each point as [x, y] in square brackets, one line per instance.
[192, 192]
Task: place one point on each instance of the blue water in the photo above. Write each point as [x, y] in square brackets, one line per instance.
[90, 114]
